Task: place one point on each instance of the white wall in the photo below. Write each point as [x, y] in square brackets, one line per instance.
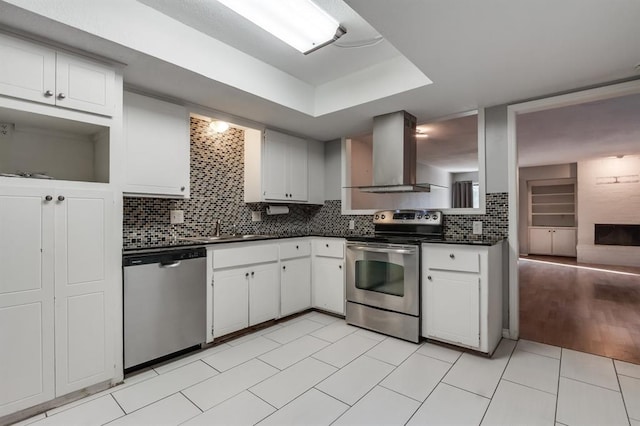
[465, 176]
[496, 149]
[607, 203]
[557, 171]
[332, 170]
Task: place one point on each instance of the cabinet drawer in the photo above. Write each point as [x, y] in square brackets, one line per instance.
[239, 256]
[293, 249]
[452, 259]
[329, 248]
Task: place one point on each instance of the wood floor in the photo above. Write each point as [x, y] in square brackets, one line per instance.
[589, 308]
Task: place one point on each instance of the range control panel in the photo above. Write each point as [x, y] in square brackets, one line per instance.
[408, 217]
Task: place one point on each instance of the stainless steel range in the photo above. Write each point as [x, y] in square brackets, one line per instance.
[383, 272]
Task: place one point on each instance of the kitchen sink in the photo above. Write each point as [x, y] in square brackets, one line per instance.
[228, 238]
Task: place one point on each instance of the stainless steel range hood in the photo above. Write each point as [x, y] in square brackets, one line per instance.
[394, 155]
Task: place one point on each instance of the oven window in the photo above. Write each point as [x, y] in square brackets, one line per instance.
[381, 277]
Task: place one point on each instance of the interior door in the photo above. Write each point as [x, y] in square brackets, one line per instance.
[26, 299]
[83, 282]
[453, 307]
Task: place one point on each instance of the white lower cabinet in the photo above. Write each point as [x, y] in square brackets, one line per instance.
[295, 276]
[552, 241]
[55, 293]
[328, 275]
[245, 286]
[295, 285]
[462, 295]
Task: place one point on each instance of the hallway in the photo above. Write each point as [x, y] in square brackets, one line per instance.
[589, 308]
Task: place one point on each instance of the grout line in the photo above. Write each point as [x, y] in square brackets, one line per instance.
[466, 390]
[530, 387]
[555, 415]
[624, 402]
[591, 384]
[189, 399]
[260, 398]
[535, 353]
[120, 406]
[500, 379]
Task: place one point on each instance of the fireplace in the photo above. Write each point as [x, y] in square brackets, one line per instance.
[617, 235]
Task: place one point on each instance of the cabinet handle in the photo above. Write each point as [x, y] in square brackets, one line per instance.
[429, 278]
[297, 248]
[182, 188]
[246, 275]
[60, 197]
[61, 96]
[48, 198]
[327, 245]
[252, 273]
[452, 256]
[48, 94]
[284, 267]
[340, 266]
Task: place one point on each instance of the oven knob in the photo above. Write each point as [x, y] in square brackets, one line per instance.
[377, 216]
[434, 217]
[382, 217]
[419, 217]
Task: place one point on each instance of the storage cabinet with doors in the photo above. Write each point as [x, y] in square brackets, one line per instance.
[295, 276]
[328, 279]
[462, 295]
[552, 241]
[283, 168]
[157, 147]
[245, 286]
[40, 74]
[55, 292]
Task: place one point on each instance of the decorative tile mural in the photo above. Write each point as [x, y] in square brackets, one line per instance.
[217, 192]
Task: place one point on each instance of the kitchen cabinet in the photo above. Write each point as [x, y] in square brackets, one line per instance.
[41, 74]
[462, 295]
[295, 276]
[552, 241]
[157, 147]
[245, 286]
[283, 168]
[328, 281]
[55, 292]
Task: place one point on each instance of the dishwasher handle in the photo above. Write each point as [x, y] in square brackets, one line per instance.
[170, 264]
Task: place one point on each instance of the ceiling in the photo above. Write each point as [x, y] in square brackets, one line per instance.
[477, 54]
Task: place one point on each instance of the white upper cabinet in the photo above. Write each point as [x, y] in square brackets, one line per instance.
[157, 147]
[283, 168]
[40, 74]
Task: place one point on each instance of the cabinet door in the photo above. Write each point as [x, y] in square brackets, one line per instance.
[157, 147]
[263, 293]
[85, 274]
[230, 300]
[28, 71]
[275, 174]
[540, 240]
[328, 284]
[295, 286]
[26, 299]
[564, 242]
[84, 85]
[452, 307]
[297, 169]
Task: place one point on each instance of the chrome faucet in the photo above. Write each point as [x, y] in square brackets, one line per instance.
[217, 228]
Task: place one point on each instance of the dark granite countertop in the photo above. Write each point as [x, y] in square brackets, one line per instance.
[181, 243]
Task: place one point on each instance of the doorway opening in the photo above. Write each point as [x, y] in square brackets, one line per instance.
[575, 175]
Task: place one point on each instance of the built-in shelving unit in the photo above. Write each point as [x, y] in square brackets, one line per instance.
[553, 204]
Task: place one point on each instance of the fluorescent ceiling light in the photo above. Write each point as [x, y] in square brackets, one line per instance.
[299, 23]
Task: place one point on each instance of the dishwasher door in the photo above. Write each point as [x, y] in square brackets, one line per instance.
[164, 304]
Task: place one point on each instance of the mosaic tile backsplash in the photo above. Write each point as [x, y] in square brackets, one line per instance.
[217, 192]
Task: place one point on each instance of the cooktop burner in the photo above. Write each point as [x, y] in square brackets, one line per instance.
[405, 227]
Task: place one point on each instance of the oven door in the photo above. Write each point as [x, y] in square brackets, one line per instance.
[385, 276]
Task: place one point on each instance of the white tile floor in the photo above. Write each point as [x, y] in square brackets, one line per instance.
[315, 369]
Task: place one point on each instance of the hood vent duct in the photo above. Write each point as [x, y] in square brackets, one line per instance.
[394, 155]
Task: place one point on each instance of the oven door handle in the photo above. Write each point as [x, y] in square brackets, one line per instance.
[382, 250]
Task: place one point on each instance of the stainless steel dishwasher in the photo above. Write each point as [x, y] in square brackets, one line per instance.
[164, 303]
